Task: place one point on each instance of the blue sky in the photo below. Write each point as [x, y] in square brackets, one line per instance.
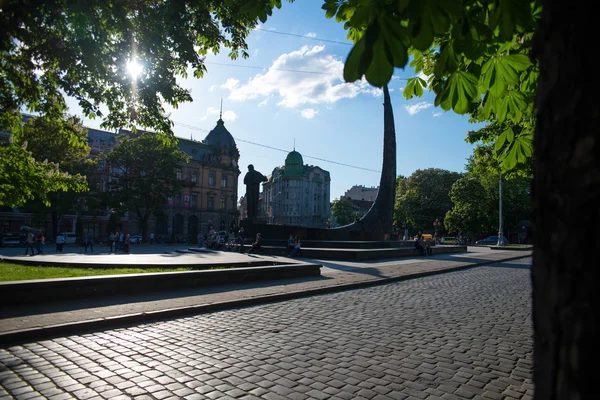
[327, 118]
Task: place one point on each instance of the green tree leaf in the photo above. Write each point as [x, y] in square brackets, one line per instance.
[458, 93]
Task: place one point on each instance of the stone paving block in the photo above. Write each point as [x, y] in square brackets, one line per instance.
[429, 336]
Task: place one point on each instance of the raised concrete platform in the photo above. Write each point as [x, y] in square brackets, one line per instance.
[361, 254]
[44, 290]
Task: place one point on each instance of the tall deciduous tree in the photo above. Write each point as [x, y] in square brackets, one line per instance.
[475, 199]
[42, 158]
[423, 197]
[343, 211]
[143, 174]
[122, 54]
[63, 142]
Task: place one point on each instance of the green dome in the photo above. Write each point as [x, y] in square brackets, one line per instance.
[294, 165]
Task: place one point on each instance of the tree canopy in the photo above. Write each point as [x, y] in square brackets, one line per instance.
[423, 197]
[43, 156]
[143, 174]
[123, 54]
[343, 211]
[473, 54]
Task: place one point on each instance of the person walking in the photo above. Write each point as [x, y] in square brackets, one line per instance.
[29, 243]
[89, 241]
[121, 241]
[111, 242]
[127, 244]
[42, 243]
[152, 238]
[240, 239]
[60, 242]
[38, 241]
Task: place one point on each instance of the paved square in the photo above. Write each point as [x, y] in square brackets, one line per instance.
[459, 335]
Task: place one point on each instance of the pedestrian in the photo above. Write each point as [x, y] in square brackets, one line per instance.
[42, 243]
[60, 242]
[256, 245]
[240, 239]
[38, 241]
[89, 241]
[297, 248]
[111, 242]
[121, 240]
[29, 243]
[127, 244]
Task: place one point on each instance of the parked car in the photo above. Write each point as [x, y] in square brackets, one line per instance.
[70, 237]
[490, 240]
[12, 240]
[449, 240]
[136, 239]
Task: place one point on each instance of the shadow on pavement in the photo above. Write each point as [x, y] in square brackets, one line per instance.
[107, 301]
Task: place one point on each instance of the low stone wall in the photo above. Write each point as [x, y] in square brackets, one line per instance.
[38, 291]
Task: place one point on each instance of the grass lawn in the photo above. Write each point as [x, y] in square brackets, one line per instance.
[18, 272]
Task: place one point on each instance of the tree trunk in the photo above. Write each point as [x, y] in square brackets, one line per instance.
[379, 218]
[566, 211]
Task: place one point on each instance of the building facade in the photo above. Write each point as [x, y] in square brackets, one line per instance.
[296, 194]
[209, 194]
[359, 192]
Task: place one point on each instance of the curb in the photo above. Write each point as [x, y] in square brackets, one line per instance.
[46, 332]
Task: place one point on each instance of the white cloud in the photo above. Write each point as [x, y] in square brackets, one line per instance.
[230, 84]
[228, 115]
[311, 35]
[395, 77]
[257, 27]
[213, 87]
[309, 113]
[296, 89]
[263, 103]
[437, 114]
[416, 108]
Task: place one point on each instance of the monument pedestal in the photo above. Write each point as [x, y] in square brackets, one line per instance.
[267, 231]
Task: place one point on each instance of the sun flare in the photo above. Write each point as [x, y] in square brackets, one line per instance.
[134, 68]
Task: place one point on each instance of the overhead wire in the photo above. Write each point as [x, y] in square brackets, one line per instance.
[285, 70]
[278, 149]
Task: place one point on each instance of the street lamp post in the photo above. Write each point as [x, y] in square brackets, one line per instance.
[501, 222]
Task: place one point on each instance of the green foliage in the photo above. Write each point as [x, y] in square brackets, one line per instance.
[343, 211]
[475, 52]
[39, 161]
[146, 174]
[475, 200]
[423, 197]
[82, 49]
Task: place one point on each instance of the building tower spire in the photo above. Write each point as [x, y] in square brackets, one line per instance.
[294, 144]
[221, 112]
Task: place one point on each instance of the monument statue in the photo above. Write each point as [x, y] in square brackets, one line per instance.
[252, 180]
[380, 216]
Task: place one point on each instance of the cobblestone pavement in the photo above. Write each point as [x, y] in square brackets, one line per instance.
[458, 335]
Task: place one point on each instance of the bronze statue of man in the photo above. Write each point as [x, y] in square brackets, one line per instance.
[252, 180]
